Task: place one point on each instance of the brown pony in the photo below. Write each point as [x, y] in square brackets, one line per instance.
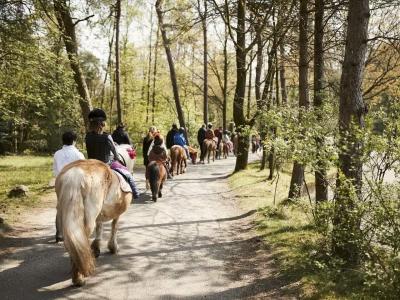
[88, 194]
[209, 148]
[178, 160]
[156, 176]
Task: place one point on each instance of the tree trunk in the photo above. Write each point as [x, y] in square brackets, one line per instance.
[282, 74]
[249, 87]
[240, 91]
[205, 62]
[225, 91]
[149, 68]
[321, 186]
[108, 69]
[351, 118]
[297, 179]
[171, 65]
[67, 26]
[153, 106]
[117, 61]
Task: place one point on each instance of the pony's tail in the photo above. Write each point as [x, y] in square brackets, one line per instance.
[154, 173]
[72, 210]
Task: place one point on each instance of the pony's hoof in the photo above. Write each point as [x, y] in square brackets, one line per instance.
[78, 281]
[59, 239]
[155, 199]
[95, 249]
[113, 249]
[160, 195]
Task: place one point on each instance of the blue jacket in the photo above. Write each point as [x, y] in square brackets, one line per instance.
[179, 139]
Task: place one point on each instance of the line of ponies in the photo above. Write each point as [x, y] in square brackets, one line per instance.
[89, 193]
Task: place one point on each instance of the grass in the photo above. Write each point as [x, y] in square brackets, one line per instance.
[288, 230]
[33, 171]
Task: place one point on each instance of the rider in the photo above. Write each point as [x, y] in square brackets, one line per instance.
[201, 135]
[170, 136]
[120, 136]
[210, 133]
[179, 139]
[158, 152]
[226, 140]
[100, 146]
[147, 141]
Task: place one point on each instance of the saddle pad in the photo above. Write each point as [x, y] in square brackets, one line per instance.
[125, 187]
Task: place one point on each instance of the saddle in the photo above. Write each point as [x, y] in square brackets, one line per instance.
[123, 182]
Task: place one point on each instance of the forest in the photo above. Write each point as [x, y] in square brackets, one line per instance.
[317, 80]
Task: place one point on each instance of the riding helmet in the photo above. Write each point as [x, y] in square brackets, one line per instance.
[97, 114]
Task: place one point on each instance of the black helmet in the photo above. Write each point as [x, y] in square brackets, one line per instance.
[97, 114]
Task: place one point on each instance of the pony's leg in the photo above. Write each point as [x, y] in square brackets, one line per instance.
[77, 278]
[59, 236]
[97, 240]
[160, 191]
[112, 243]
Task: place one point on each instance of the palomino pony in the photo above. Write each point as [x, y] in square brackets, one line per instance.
[178, 160]
[126, 155]
[88, 194]
[209, 148]
[156, 176]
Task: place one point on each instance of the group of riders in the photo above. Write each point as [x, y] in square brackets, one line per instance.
[101, 146]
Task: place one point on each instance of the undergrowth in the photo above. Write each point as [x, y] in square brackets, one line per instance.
[300, 251]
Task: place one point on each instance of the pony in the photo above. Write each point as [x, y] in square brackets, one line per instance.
[88, 194]
[126, 155]
[156, 176]
[209, 148]
[178, 160]
[193, 154]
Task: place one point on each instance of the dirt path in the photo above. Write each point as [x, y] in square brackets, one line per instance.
[192, 244]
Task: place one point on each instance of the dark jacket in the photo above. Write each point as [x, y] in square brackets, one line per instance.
[170, 138]
[201, 136]
[146, 145]
[100, 147]
[120, 136]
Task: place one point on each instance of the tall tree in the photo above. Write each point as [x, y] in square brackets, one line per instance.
[166, 43]
[117, 61]
[225, 90]
[67, 27]
[205, 59]
[321, 186]
[297, 179]
[352, 110]
[149, 68]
